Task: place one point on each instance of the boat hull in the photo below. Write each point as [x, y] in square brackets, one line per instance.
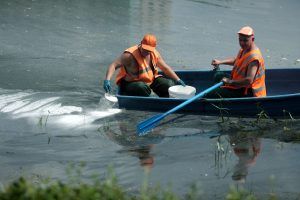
[283, 97]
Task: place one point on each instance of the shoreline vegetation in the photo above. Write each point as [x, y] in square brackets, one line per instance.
[108, 188]
[22, 189]
[74, 188]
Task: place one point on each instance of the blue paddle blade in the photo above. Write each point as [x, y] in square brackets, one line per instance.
[148, 124]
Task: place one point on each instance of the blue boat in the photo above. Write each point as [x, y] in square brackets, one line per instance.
[283, 100]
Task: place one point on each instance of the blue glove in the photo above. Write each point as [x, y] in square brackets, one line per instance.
[180, 82]
[106, 86]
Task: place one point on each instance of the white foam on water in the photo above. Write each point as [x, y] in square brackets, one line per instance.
[14, 106]
[37, 105]
[83, 119]
[9, 97]
[6, 99]
[70, 120]
[26, 105]
[102, 114]
[48, 110]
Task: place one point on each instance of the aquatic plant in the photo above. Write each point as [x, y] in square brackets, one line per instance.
[262, 114]
[287, 117]
[40, 122]
[222, 152]
[222, 111]
[43, 125]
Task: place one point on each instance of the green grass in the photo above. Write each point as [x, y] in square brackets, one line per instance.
[107, 189]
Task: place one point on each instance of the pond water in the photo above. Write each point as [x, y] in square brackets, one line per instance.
[53, 58]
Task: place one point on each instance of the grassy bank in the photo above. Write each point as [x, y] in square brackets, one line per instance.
[22, 189]
[108, 188]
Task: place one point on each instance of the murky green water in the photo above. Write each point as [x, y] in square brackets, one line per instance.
[53, 57]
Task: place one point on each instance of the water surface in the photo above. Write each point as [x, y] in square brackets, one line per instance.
[53, 58]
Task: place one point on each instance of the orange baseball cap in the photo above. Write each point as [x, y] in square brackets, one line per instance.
[149, 42]
[247, 30]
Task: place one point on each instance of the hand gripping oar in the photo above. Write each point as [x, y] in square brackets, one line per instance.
[146, 125]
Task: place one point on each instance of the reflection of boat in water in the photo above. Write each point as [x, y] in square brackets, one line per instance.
[282, 88]
[247, 149]
[124, 134]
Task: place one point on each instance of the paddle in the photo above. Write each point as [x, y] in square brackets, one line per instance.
[146, 125]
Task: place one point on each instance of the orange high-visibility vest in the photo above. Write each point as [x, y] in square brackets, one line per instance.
[145, 73]
[240, 68]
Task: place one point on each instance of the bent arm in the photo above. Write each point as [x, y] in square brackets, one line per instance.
[167, 69]
[117, 63]
[228, 61]
[251, 72]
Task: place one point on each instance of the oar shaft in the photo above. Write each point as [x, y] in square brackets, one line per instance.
[193, 98]
[148, 124]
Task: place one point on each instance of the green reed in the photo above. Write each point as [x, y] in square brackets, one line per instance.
[42, 123]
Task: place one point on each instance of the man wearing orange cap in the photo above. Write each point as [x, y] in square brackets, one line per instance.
[138, 73]
[248, 74]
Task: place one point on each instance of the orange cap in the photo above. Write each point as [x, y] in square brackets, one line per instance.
[149, 42]
[247, 30]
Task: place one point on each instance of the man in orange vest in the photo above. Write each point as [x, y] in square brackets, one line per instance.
[247, 77]
[138, 73]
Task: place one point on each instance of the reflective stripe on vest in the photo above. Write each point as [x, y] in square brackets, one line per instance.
[145, 73]
[258, 90]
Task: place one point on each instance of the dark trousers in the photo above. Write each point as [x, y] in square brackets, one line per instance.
[222, 92]
[138, 88]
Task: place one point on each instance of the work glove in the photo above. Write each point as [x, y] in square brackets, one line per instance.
[180, 82]
[106, 86]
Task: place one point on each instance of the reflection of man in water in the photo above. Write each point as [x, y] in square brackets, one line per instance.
[145, 156]
[247, 150]
[134, 145]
